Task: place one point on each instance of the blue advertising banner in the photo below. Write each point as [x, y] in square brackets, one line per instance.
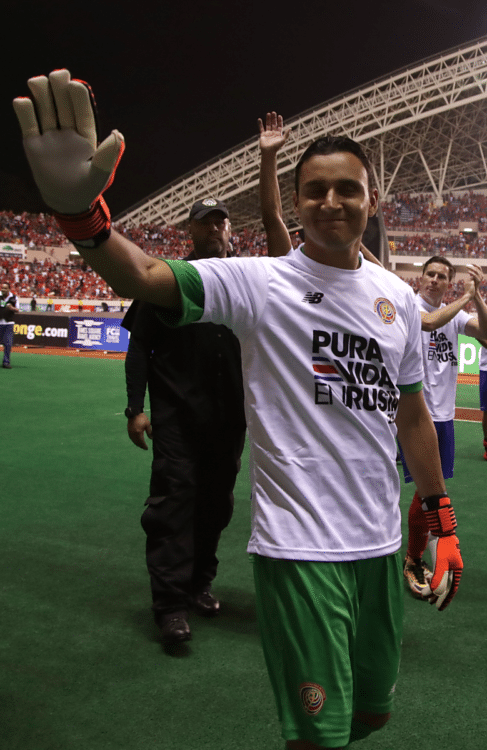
[105, 334]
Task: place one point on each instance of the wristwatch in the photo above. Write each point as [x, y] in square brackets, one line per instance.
[132, 411]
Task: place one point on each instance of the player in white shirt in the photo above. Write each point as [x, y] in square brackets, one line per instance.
[332, 368]
[441, 325]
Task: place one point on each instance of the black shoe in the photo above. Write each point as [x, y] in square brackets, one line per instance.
[7, 367]
[205, 604]
[175, 630]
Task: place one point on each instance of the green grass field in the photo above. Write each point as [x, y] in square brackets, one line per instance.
[81, 665]
[467, 396]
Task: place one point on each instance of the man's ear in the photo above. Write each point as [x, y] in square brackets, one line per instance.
[374, 202]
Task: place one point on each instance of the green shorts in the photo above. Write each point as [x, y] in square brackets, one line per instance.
[331, 634]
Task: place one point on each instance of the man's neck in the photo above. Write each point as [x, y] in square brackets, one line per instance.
[347, 259]
[202, 256]
[434, 303]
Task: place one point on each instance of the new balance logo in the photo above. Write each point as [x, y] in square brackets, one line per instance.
[313, 297]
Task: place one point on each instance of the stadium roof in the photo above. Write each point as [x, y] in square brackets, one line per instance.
[424, 128]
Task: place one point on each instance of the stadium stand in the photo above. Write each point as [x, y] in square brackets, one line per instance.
[32, 230]
[416, 227]
[419, 212]
[51, 267]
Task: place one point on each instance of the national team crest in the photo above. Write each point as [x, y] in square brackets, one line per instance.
[312, 697]
[385, 310]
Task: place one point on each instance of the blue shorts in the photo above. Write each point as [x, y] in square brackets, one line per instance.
[446, 444]
[483, 389]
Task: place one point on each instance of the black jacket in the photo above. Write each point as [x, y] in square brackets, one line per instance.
[194, 371]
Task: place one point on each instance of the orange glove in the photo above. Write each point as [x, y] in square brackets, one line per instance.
[445, 551]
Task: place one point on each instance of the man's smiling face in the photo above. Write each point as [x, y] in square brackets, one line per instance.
[334, 202]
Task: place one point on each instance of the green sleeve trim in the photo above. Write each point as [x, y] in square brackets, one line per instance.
[192, 295]
[411, 388]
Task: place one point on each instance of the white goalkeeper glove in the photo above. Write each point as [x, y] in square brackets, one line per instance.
[60, 141]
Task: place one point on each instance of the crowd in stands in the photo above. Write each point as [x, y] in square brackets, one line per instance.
[420, 212]
[457, 245]
[31, 230]
[164, 242]
[47, 277]
[170, 242]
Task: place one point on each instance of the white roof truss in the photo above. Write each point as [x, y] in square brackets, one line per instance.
[424, 127]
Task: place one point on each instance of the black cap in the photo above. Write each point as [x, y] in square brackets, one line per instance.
[206, 206]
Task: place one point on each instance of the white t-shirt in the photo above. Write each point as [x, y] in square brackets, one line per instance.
[323, 350]
[440, 359]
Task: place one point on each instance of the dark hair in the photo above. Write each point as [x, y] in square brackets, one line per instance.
[330, 144]
[445, 261]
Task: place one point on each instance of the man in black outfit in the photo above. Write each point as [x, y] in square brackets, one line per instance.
[197, 425]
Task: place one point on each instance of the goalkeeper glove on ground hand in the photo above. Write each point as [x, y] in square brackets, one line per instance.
[445, 550]
[70, 169]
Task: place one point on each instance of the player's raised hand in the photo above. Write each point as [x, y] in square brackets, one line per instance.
[475, 278]
[60, 141]
[445, 551]
[272, 134]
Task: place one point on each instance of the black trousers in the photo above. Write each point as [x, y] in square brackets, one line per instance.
[190, 503]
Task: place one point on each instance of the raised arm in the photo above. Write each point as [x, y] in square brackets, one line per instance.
[272, 138]
[131, 273]
[72, 171]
